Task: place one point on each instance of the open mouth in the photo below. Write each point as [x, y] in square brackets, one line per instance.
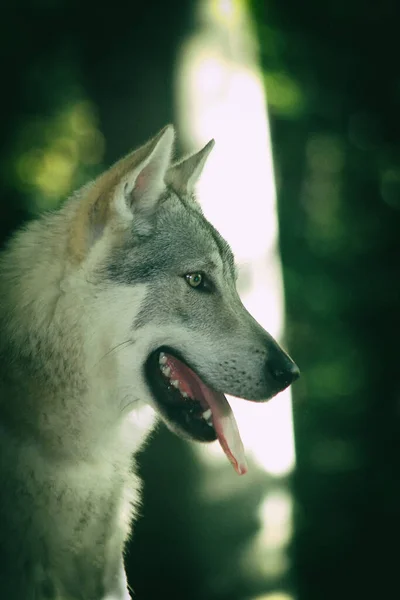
[192, 408]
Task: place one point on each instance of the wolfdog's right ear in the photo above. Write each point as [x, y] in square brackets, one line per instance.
[124, 196]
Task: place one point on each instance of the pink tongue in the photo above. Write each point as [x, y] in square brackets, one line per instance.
[223, 419]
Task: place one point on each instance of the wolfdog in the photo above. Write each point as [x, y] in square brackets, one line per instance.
[119, 307]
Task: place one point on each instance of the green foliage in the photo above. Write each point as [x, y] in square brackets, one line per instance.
[336, 139]
[53, 155]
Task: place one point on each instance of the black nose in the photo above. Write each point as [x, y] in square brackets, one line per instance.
[283, 369]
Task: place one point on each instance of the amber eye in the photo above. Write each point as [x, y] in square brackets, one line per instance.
[194, 279]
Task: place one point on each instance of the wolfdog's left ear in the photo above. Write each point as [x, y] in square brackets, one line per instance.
[139, 189]
[127, 194]
[183, 176]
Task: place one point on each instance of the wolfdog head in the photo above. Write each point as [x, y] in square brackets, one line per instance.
[155, 301]
[196, 339]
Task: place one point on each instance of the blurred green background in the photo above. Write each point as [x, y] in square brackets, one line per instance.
[83, 83]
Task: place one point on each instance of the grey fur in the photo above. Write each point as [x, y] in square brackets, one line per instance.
[86, 294]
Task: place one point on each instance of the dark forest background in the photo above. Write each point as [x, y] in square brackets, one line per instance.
[333, 82]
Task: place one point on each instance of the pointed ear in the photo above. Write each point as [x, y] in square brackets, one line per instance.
[144, 184]
[139, 189]
[184, 175]
[128, 192]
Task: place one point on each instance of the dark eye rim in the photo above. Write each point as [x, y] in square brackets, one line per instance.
[205, 284]
[188, 277]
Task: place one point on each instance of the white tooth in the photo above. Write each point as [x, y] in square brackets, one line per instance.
[184, 394]
[166, 371]
[175, 383]
[207, 414]
[162, 359]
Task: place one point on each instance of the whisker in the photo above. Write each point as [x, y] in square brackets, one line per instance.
[117, 347]
[131, 403]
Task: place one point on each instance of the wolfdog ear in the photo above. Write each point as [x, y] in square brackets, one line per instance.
[184, 175]
[127, 193]
[142, 180]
